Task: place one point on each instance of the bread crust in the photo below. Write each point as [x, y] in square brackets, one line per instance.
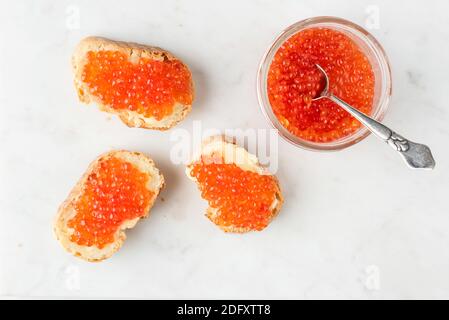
[134, 51]
[67, 209]
[226, 147]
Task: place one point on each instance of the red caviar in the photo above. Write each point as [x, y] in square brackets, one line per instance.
[113, 194]
[294, 80]
[149, 87]
[243, 198]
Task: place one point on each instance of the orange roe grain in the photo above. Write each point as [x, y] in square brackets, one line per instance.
[243, 198]
[293, 80]
[149, 87]
[113, 194]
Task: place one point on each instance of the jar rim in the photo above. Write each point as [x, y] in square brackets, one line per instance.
[377, 52]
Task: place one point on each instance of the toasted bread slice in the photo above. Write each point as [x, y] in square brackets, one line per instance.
[139, 164]
[134, 53]
[221, 149]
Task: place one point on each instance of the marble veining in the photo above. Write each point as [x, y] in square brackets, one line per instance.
[356, 224]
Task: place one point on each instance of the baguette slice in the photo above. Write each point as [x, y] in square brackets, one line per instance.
[134, 52]
[222, 149]
[68, 209]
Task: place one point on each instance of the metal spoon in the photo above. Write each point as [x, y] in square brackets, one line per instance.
[416, 155]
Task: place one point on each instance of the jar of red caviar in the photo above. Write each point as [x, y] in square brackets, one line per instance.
[287, 81]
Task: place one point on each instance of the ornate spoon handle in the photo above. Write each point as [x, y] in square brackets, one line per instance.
[416, 155]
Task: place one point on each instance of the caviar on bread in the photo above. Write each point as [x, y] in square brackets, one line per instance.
[145, 86]
[242, 195]
[117, 190]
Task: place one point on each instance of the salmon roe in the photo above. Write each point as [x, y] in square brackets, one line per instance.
[243, 198]
[149, 87]
[113, 194]
[294, 80]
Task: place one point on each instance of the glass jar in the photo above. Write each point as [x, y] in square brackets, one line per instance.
[371, 48]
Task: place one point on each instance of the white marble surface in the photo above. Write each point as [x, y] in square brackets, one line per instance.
[356, 224]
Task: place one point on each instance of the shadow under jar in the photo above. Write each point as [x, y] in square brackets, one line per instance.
[288, 80]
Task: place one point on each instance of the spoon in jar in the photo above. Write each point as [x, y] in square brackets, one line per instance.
[416, 155]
